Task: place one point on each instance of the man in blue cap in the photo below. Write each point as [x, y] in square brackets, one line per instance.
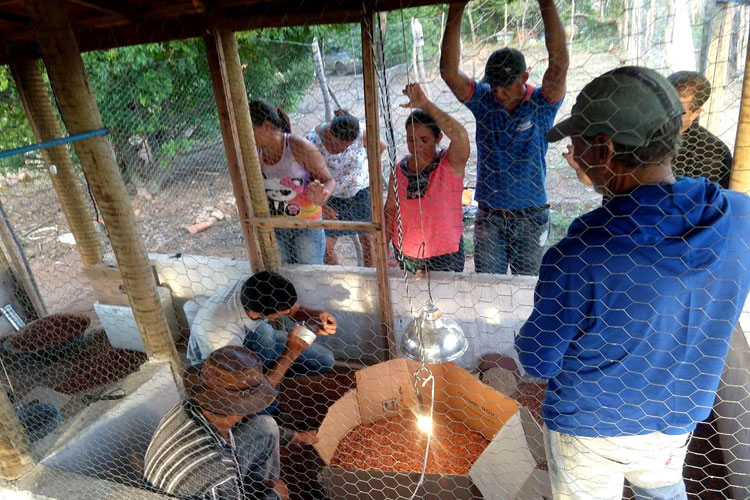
[634, 309]
[513, 118]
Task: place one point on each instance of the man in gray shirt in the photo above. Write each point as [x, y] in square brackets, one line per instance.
[214, 445]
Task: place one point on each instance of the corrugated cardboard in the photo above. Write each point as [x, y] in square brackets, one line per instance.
[387, 389]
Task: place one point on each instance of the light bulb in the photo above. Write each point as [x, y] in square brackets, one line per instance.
[424, 424]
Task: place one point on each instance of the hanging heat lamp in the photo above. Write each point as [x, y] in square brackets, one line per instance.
[432, 338]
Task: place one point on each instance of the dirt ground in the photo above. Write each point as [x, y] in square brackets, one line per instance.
[201, 184]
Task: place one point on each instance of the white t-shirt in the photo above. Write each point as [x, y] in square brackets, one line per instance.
[220, 322]
[349, 167]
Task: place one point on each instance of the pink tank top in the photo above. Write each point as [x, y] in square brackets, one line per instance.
[285, 184]
[442, 217]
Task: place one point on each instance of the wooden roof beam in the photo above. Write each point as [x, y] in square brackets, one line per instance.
[15, 19]
[118, 8]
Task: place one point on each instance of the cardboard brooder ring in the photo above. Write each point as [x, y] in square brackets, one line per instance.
[502, 471]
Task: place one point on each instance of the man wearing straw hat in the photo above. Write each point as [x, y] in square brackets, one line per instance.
[214, 445]
[635, 308]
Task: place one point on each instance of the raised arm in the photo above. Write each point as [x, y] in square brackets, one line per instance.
[450, 55]
[458, 150]
[292, 350]
[553, 83]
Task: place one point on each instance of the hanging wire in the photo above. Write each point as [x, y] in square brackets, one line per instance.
[429, 377]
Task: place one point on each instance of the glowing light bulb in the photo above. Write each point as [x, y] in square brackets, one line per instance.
[424, 424]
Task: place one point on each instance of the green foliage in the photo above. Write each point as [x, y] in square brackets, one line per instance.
[14, 129]
[161, 94]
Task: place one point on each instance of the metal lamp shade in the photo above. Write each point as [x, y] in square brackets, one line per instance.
[431, 338]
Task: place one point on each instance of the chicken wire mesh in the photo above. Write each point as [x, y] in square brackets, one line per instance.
[91, 404]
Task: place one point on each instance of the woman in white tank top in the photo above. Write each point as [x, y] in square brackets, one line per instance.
[297, 182]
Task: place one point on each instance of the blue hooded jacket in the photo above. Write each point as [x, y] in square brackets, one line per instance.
[634, 310]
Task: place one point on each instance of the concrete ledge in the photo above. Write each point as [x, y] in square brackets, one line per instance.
[489, 307]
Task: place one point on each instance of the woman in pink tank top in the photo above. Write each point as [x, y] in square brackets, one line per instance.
[297, 182]
[428, 184]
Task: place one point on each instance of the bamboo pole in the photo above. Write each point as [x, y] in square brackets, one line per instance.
[15, 449]
[716, 66]
[376, 188]
[740, 179]
[253, 175]
[78, 107]
[228, 122]
[293, 223]
[41, 116]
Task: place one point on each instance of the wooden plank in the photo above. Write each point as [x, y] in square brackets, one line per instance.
[18, 44]
[376, 188]
[106, 281]
[227, 120]
[15, 448]
[289, 222]
[740, 179]
[122, 9]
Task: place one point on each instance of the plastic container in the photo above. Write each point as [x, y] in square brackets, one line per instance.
[306, 334]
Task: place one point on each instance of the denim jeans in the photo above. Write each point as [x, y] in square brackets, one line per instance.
[584, 468]
[256, 443]
[510, 238]
[446, 262]
[301, 246]
[269, 343]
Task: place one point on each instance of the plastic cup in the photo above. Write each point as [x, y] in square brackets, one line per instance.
[306, 334]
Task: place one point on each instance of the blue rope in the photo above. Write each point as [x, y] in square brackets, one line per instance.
[53, 142]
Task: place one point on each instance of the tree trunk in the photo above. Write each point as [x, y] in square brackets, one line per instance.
[320, 75]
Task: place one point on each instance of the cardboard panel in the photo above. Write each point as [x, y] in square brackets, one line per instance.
[502, 469]
[342, 417]
[536, 487]
[534, 435]
[385, 389]
[476, 404]
[106, 281]
[341, 484]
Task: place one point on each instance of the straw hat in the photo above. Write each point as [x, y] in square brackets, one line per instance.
[230, 382]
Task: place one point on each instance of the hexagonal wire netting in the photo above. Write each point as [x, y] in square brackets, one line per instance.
[623, 329]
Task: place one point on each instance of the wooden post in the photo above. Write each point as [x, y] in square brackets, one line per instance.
[78, 107]
[376, 187]
[320, 75]
[227, 120]
[39, 111]
[716, 66]
[15, 449]
[26, 291]
[740, 179]
[266, 237]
